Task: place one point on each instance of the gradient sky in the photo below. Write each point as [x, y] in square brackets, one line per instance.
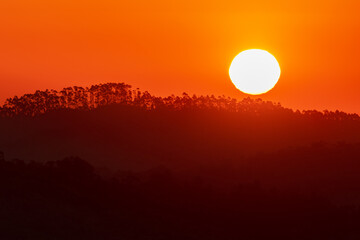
[170, 47]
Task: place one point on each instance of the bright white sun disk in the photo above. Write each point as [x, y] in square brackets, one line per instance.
[254, 71]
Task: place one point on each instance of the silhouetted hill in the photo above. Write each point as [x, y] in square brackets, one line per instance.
[180, 167]
[116, 127]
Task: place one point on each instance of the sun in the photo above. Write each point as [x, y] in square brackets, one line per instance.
[254, 71]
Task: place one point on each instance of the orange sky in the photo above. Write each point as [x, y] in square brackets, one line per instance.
[170, 47]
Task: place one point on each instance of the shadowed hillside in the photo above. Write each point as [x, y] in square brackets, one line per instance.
[188, 167]
[113, 126]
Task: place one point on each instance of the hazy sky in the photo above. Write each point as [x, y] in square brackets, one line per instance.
[170, 47]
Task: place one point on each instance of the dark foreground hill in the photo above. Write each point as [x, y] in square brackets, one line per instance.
[67, 200]
[188, 167]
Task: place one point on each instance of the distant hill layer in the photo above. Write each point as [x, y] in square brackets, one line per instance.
[120, 93]
[113, 126]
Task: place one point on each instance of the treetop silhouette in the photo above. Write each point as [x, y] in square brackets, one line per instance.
[88, 98]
